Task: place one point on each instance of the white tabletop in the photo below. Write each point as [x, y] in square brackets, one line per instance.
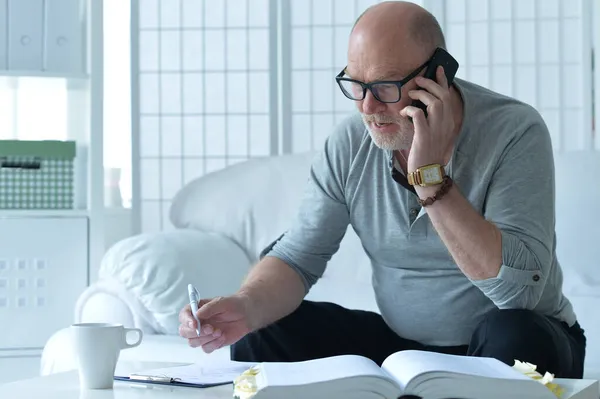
[66, 386]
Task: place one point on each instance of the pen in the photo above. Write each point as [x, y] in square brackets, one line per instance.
[194, 298]
[150, 378]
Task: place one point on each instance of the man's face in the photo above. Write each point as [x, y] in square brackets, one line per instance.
[371, 63]
[387, 128]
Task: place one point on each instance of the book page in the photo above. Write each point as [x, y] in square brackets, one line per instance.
[320, 370]
[207, 372]
[406, 365]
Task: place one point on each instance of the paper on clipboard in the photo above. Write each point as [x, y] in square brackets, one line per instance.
[207, 373]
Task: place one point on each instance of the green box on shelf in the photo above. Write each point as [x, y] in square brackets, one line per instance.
[37, 174]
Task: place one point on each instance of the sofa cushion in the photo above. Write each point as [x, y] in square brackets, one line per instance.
[252, 202]
[155, 270]
[578, 238]
[578, 213]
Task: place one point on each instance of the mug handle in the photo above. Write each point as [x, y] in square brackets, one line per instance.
[126, 344]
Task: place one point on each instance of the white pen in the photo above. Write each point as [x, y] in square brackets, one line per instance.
[194, 298]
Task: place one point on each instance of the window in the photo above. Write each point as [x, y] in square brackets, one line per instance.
[21, 98]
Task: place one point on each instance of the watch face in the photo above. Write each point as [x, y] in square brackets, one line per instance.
[432, 175]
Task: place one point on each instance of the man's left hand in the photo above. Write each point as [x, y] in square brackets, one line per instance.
[433, 134]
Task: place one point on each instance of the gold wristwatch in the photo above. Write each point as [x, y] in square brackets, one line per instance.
[428, 175]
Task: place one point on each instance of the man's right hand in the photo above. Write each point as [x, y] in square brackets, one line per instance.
[224, 321]
[271, 291]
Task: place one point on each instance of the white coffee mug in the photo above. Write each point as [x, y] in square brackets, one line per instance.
[97, 346]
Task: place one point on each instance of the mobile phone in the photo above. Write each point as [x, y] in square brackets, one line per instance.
[443, 58]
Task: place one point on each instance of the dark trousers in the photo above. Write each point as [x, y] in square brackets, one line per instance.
[321, 329]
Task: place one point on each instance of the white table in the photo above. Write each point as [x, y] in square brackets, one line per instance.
[66, 386]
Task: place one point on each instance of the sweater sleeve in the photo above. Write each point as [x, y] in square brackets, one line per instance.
[520, 202]
[323, 217]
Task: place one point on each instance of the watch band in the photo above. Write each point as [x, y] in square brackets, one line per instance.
[446, 185]
[414, 178]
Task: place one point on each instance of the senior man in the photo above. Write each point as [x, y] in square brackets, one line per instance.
[472, 272]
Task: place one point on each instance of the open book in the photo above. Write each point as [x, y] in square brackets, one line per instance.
[426, 374]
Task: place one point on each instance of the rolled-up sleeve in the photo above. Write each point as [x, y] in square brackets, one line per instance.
[520, 202]
[323, 218]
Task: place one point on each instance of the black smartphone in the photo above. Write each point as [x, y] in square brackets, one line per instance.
[443, 58]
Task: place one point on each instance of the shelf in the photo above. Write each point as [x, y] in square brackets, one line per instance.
[43, 213]
[20, 352]
[43, 74]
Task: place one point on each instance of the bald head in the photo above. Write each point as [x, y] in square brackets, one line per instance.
[389, 42]
[402, 22]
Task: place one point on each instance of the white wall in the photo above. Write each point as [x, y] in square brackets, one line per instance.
[117, 225]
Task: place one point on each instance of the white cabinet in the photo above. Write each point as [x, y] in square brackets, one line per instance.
[43, 270]
[63, 36]
[42, 37]
[3, 34]
[25, 21]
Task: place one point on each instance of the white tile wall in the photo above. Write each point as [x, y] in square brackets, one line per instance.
[532, 50]
[203, 94]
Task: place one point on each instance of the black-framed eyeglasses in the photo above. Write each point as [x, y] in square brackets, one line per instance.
[386, 91]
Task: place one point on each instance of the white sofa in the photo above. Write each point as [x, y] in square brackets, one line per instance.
[225, 219]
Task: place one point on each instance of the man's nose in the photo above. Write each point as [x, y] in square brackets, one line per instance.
[371, 105]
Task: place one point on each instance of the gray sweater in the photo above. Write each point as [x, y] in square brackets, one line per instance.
[502, 163]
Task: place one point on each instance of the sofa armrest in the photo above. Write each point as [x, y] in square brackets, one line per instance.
[142, 281]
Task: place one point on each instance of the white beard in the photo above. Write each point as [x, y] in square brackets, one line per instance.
[400, 140]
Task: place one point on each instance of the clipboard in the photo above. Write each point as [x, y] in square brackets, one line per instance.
[165, 380]
[204, 374]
